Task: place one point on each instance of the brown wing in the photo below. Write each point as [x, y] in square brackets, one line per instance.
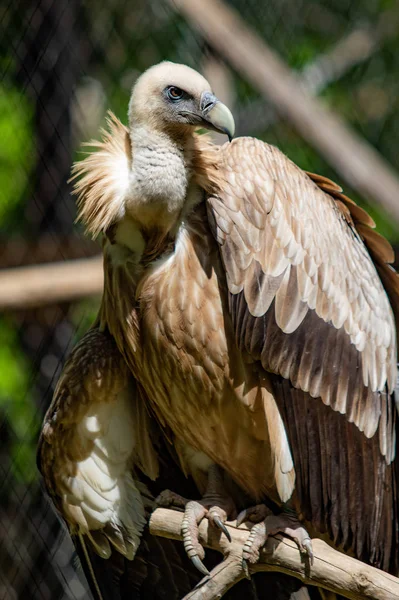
[307, 302]
[80, 464]
[89, 441]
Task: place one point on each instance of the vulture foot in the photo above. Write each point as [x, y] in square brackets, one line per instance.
[167, 499]
[216, 506]
[269, 524]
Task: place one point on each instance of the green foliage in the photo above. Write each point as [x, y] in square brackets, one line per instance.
[17, 404]
[16, 162]
[83, 315]
[16, 149]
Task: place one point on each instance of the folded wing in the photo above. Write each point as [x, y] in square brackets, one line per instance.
[89, 445]
[307, 302]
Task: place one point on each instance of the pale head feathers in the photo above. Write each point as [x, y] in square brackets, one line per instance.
[147, 103]
[145, 172]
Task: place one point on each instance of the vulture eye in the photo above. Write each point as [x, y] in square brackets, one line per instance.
[175, 93]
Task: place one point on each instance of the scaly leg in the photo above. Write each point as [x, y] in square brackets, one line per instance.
[268, 524]
[216, 506]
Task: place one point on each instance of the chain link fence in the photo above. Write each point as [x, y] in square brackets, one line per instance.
[63, 64]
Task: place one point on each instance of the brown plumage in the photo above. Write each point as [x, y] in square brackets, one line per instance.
[82, 466]
[94, 432]
[253, 303]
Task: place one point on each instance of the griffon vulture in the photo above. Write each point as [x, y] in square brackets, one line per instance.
[253, 305]
[93, 443]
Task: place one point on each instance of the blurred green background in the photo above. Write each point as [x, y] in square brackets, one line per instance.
[63, 64]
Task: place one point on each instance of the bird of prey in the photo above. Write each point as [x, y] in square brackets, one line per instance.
[92, 448]
[253, 304]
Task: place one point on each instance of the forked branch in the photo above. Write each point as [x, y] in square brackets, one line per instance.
[331, 570]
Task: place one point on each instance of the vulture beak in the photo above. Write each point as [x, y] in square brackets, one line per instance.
[216, 115]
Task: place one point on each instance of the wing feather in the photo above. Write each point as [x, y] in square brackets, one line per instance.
[88, 444]
[302, 268]
[307, 302]
[351, 495]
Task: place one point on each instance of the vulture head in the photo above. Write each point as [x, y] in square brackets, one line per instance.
[174, 99]
[147, 177]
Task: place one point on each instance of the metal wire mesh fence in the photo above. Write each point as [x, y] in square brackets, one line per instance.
[63, 64]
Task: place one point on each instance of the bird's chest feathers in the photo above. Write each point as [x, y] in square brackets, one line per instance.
[181, 314]
[159, 180]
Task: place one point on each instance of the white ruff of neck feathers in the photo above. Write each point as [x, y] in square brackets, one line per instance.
[104, 179]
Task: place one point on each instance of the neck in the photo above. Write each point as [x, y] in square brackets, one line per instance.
[160, 176]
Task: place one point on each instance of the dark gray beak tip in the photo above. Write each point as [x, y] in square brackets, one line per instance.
[217, 114]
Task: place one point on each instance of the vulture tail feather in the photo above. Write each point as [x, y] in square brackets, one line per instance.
[88, 567]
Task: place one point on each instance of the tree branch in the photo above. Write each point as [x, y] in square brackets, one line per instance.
[351, 156]
[354, 48]
[331, 570]
[27, 287]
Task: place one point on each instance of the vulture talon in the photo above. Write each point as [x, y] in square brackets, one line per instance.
[245, 568]
[307, 546]
[254, 514]
[242, 516]
[169, 499]
[219, 523]
[198, 564]
[285, 523]
[215, 506]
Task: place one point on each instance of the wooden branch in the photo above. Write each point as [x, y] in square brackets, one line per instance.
[353, 158]
[18, 250]
[27, 287]
[331, 570]
[352, 49]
